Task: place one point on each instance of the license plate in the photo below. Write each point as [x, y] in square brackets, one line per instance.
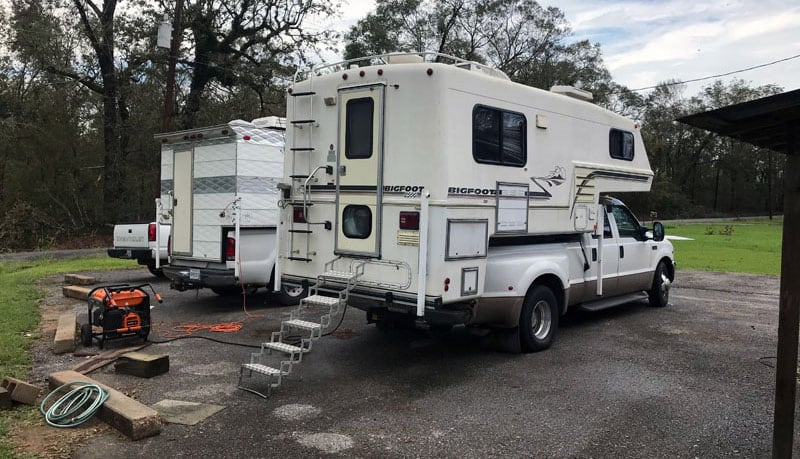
[194, 274]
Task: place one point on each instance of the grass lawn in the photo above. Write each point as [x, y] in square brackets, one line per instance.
[750, 247]
[19, 318]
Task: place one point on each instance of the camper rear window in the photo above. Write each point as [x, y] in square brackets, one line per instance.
[620, 144]
[498, 137]
[358, 136]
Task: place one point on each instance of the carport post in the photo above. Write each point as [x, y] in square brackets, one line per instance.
[789, 308]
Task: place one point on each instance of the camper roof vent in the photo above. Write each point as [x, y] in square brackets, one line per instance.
[270, 122]
[404, 59]
[573, 92]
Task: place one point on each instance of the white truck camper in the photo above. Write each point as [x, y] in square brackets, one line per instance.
[219, 190]
[432, 191]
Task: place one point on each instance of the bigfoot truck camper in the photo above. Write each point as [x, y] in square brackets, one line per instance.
[431, 190]
[219, 189]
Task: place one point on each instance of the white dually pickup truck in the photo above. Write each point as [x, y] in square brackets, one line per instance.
[138, 241]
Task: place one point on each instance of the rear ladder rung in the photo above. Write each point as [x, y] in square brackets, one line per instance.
[300, 231]
[300, 94]
[303, 121]
[302, 149]
[299, 259]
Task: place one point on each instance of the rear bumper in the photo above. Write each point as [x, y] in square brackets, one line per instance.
[184, 278]
[143, 256]
[383, 304]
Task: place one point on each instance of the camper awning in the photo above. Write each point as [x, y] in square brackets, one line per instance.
[768, 122]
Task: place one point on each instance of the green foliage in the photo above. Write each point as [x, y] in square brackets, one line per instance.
[528, 42]
[19, 317]
[746, 247]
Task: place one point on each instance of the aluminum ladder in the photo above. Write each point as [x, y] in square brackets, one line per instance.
[327, 295]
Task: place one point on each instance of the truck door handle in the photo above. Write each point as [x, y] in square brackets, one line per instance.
[342, 170]
[174, 202]
[621, 252]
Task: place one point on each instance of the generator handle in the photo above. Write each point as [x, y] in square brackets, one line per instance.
[152, 289]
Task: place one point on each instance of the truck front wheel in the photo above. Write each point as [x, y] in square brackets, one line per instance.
[538, 322]
[659, 292]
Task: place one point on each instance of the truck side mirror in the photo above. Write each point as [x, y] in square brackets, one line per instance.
[658, 232]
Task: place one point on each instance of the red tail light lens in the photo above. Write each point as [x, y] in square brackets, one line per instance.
[299, 215]
[151, 232]
[230, 249]
[409, 220]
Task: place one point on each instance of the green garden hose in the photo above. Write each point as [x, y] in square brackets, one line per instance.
[76, 406]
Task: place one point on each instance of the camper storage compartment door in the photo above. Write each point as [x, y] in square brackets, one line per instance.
[182, 202]
[466, 239]
[512, 208]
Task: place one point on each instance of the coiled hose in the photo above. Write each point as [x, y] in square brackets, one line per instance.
[76, 406]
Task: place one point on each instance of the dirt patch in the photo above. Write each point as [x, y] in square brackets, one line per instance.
[40, 440]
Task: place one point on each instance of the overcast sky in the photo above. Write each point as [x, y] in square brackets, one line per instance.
[648, 41]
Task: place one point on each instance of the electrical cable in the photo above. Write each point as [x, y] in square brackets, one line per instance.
[76, 406]
[733, 72]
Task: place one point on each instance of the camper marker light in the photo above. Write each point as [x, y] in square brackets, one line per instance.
[298, 216]
[430, 72]
[344, 76]
[409, 220]
[361, 73]
[290, 90]
[247, 137]
[224, 132]
[380, 72]
[230, 249]
[151, 232]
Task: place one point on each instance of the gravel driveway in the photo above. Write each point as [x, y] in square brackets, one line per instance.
[694, 379]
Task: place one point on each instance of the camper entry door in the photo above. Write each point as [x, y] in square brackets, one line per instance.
[182, 203]
[359, 171]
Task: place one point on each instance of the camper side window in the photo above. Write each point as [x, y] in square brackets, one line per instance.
[358, 134]
[498, 137]
[620, 144]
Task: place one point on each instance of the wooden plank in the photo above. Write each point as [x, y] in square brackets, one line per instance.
[131, 418]
[73, 291]
[142, 365]
[106, 358]
[789, 311]
[64, 341]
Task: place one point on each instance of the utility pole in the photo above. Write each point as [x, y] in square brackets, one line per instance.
[175, 44]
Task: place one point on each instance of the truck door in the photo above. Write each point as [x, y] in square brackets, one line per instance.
[635, 265]
[610, 258]
[182, 203]
[359, 176]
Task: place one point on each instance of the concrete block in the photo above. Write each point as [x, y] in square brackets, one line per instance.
[78, 279]
[64, 340]
[131, 418]
[5, 399]
[21, 391]
[142, 365]
[73, 291]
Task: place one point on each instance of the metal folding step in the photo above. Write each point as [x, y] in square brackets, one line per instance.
[333, 301]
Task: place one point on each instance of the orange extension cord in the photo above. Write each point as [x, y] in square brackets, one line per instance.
[179, 331]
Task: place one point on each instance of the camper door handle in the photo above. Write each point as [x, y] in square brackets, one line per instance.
[174, 202]
[342, 171]
[621, 252]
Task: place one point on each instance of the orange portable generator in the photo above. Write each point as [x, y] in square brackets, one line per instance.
[120, 310]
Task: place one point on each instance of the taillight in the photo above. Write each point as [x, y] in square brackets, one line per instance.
[151, 232]
[409, 220]
[299, 215]
[230, 249]
[446, 284]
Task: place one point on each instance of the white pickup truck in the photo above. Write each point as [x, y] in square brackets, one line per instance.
[137, 241]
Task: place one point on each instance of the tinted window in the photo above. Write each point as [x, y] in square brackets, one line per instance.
[498, 136]
[357, 221]
[620, 144]
[627, 225]
[358, 132]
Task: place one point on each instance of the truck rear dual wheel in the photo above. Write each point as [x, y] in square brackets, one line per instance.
[538, 322]
[290, 295]
[156, 272]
